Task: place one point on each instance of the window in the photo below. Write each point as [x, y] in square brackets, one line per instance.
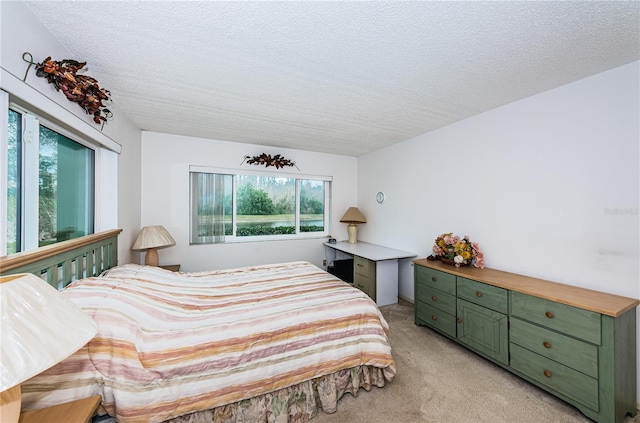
[14, 189]
[50, 184]
[257, 206]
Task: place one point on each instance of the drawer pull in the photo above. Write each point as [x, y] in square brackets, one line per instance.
[547, 373]
[458, 319]
[434, 317]
[549, 314]
[434, 298]
[478, 294]
[546, 344]
[433, 279]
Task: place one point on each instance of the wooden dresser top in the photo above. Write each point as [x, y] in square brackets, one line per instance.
[588, 299]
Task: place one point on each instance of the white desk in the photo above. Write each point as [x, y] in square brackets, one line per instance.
[386, 265]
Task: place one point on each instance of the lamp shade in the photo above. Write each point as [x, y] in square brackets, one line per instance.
[353, 215]
[40, 327]
[153, 237]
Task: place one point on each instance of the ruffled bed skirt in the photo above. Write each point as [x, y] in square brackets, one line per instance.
[295, 404]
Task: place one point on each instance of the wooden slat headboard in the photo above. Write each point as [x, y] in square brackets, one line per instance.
[61, 263]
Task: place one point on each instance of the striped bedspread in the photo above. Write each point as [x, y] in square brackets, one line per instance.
[170, 343]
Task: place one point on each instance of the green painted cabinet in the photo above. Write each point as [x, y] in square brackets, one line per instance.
[577, 344]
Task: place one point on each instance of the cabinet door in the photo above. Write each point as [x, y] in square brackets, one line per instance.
[483, 330]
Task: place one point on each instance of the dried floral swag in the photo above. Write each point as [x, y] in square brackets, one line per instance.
[81, 89]
[266, 160]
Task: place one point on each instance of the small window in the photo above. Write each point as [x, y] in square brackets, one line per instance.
[243, 207]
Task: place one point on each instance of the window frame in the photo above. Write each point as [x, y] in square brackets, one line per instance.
[259, 238]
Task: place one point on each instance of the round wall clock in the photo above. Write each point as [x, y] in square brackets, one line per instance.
[380, 197]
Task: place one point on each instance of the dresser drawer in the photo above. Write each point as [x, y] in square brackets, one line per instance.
[363, 267]
[442, 281]
[438, 299]
[578, 355]
[564, 380]
[579, 323]
[437, 318]
[485, 295]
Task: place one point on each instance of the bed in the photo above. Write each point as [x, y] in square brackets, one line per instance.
[274, 342]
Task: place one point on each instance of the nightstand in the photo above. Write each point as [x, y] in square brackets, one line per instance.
[79, 411]
[172, 267]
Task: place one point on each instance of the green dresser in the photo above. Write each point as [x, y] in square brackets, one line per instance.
[577, 344]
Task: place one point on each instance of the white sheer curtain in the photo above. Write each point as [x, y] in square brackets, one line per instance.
[211, 207]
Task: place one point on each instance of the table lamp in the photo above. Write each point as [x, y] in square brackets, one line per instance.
[40, 327]
[152, 238]
[353, 217]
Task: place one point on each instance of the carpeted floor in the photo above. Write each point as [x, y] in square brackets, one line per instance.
[441, 382]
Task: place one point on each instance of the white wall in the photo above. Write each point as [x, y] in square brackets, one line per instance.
[21, 32]
[548, 186]
[165, 199]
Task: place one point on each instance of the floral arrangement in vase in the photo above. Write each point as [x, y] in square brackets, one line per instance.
[452, 249]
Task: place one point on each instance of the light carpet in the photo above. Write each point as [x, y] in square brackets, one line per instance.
[441, 382]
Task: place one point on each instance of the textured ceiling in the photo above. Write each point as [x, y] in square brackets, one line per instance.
[338, 77]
